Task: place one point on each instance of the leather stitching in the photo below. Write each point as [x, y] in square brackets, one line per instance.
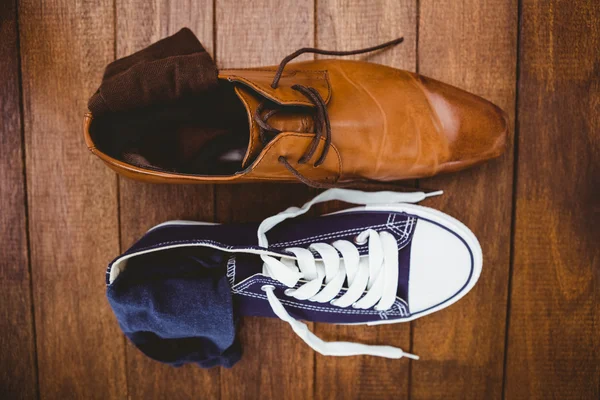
[278, 138]
[324, 73]
[250, 117]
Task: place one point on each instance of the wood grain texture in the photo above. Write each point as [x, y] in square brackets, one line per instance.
[472, 45]
[143, 205]
[348, 25]
[554, 340]
[276, 363]
[68, 208]
[18, 374]
[72, 200]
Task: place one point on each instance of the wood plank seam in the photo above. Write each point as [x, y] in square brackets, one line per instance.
[514, 201]
[411, 329]
[25, 200]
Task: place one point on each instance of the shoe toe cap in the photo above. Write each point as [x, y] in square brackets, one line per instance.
[443, 267]
[473, 128]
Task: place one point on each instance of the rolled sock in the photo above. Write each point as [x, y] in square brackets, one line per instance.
[177, 308]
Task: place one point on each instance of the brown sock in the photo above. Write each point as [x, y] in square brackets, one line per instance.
[163, 72]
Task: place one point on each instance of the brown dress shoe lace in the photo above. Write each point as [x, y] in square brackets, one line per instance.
[322, 124]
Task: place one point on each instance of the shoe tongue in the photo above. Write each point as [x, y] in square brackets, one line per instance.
[287, 119]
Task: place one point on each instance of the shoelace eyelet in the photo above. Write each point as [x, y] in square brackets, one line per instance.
[359, 242]
[265, 287]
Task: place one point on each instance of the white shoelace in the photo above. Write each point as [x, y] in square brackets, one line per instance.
[374, 278]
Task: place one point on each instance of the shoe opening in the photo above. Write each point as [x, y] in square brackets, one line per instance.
[202, 134]
[164, 108]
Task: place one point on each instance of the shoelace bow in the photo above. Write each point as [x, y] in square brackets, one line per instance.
[322, 123]
[372, 281]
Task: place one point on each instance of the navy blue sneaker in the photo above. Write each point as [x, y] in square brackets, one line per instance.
[179, 290]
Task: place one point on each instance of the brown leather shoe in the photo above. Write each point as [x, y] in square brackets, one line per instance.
[169, 118]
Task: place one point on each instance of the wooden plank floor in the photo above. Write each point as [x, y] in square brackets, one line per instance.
[529, 330]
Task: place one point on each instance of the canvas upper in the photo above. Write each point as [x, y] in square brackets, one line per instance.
[438, 261]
